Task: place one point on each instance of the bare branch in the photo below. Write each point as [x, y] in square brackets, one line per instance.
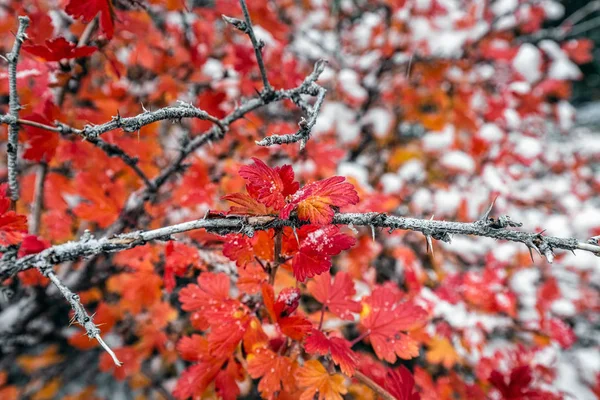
[312, 113]
[134, 124]
[14, 107]
[83, 41]
[38, 200]
[246, 27]
[248, 225]
[81, 315]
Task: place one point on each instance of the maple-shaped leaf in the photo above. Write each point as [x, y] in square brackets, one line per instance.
[195, 379]
[280, 310]
[384, 317]
[212, 290]
[517, 386]
[401, 384]
[335, 294]
[12, 225]
[270, 186]
[314, 201]
[58, 49]
[179, 257]
[315, 379]
[340, 350]
[88, 9]
[276, 372]
[317, 248]
[228, 324]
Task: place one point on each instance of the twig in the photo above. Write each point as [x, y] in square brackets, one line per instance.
[81, 315]
[248, 225]
[83, 41]
[312, 114]
[246, 27]
[14, 107]
[276, 256]
[113, 150]
[38, 200]
[134, 124]
[371, 384]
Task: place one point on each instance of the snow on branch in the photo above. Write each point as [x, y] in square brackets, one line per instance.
[248, 225]
[14, 107]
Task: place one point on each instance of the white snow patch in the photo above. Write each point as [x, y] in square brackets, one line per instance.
[527, 62]
[458, 160]
[439, 140]
[381, 120]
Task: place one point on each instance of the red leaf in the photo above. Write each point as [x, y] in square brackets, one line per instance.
[58, 49]
[320, 243]
[195, 379]
[340, 350]
[517, 387]
[88, 9]
[270, 186]
[280, 311]
[179, 257]
[401, 384]
[314, 201]
[562, 333]
[40, 144]
[211, 289]
[579, 50]
[385, 317]
[238, 248]
[32, 245]
[336, 296]
[12, 225]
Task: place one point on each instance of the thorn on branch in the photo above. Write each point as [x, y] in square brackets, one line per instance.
[486, 214]
[236, 23]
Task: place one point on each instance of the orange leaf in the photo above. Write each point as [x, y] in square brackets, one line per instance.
[276, 372]
[315, 378]
[442, 352]
[314, 201]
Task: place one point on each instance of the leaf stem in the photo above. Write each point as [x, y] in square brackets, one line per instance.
[371, 384]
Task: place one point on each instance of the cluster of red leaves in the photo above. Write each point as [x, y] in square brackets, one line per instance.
[274, 191]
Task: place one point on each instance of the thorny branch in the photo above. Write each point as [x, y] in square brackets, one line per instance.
[14, 107]
[312, 113]
[248, 225]
[246, 27]
[38, 201]
[81, 315]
